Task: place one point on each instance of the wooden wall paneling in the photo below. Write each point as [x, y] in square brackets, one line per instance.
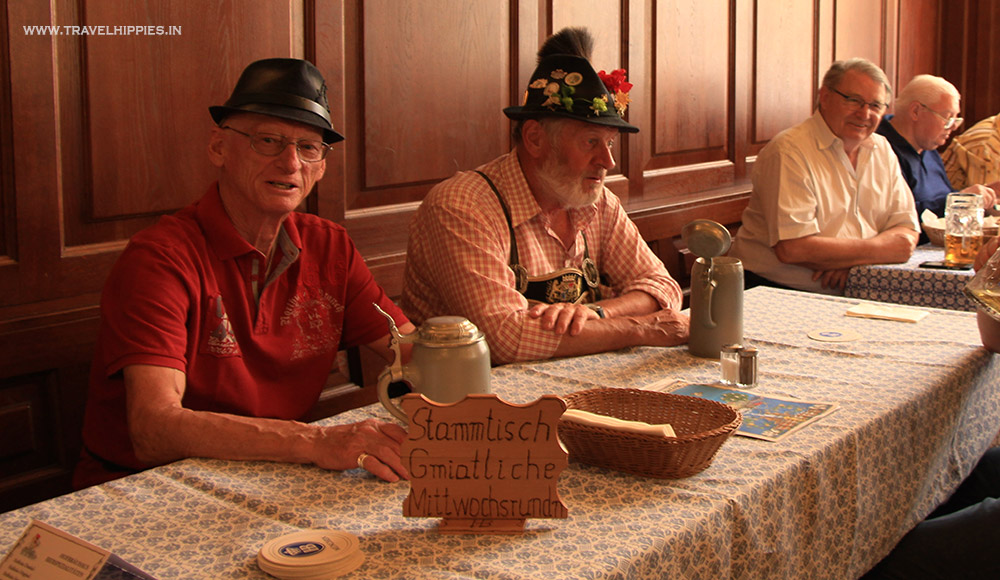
[968, 55]
[603, 19]
[414, 117]
[687, 146]
[434, 86]
[954, 57]
[44, 360]
[917, 40]
[637, 49]
[858, 31]
[825, 38]
[32, 149]
[113, 134]
[986, 61]
[741, 149]
[784, 61]
[692, 64]
[39, 441]
[329, 30]
[8, 228]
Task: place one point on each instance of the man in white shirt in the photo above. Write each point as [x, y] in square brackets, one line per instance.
[828, 193]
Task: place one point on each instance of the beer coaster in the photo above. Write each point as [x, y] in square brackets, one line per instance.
[311, 554]
[834, 335]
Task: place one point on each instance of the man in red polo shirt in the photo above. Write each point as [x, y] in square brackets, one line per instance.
[221, 323]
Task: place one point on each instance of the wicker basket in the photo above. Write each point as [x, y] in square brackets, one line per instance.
[701, 427]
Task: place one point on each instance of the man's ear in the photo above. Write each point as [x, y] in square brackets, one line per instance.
[215, 147]
[534, 137]
[913, 109]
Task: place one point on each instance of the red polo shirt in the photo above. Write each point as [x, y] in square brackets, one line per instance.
[191, 294]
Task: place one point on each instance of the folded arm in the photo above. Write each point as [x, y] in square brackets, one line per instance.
[893, 246]
[667, 327]
[163, 430]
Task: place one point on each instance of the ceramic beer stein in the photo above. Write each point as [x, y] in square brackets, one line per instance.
[716, 305]
[450, 359]
[716, 289]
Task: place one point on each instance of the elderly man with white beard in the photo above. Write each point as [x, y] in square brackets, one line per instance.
[532, 247]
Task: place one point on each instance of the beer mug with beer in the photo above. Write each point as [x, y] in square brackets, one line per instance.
[963, 228]
[984, 288]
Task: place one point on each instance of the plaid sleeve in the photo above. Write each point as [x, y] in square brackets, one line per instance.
[628, 261]
[460, 245]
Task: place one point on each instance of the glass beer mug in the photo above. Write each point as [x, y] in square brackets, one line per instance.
[963, 228]
[984, 288]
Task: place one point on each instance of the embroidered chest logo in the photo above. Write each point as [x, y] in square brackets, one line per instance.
[221, 340]
[565, 288]
[313, 315]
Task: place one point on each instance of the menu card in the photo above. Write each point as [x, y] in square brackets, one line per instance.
[47, 553]
[767, 418]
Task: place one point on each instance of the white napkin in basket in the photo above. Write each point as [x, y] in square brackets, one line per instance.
[595, 420]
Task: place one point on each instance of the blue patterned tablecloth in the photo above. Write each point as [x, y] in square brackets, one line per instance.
[910, 284]
[918, 404]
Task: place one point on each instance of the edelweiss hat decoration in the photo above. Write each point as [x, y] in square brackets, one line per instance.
[566, 86]
[288, 88]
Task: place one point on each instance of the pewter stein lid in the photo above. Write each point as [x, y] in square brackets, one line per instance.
[444, 331]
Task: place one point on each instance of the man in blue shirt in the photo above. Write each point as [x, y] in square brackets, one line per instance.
[926, 113]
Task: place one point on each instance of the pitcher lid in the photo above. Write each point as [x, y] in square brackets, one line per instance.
[448, 331]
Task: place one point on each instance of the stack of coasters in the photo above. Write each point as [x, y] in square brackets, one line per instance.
[311, 555]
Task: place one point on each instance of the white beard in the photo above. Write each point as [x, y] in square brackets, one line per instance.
[566, 189]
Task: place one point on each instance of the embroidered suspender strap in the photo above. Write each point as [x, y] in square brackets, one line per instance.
[520, 274]
[591, 275]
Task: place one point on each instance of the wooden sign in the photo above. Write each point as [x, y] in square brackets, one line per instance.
[483, 465]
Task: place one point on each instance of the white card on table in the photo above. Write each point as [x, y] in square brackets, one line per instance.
[47, 553]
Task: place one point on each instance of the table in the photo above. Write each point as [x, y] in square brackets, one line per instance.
[919, 403]
[910, 284]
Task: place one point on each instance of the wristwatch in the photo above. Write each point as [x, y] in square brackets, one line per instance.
[598, 309]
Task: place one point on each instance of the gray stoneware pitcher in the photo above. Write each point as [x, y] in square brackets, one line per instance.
[716, 305]
[450, 359]
[716, 289]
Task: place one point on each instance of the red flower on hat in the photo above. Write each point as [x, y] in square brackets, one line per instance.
[618, 86]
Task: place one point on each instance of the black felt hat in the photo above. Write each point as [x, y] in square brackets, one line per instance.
[566, 86]
[288, 88]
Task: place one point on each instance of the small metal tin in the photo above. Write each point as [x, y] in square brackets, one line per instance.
[748, 368]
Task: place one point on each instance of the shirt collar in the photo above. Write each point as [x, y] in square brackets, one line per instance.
[522, 203]
[826, 139]
[886, 130]
[221, 234]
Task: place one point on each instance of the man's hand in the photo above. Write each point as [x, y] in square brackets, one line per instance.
[376, 442]
[665, 328]
[562, 317]
[832, 278]
[985, 252]
[991, 207]
[987, 191]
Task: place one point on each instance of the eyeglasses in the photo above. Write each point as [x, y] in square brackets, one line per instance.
[949, 122]
[272, 145]
[856, 103]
